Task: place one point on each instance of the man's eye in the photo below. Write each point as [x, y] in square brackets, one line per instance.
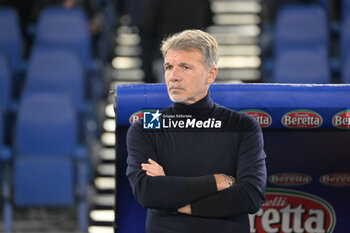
[186, 67]
[168, 68]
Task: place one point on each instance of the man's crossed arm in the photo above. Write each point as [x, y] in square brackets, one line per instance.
[152, 168]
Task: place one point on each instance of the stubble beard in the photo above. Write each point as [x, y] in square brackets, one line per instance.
[176, 99]
[184, 100]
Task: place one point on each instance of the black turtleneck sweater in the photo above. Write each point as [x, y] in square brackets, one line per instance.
[190, 157]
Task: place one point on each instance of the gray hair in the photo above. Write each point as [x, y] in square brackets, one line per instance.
[193, 40]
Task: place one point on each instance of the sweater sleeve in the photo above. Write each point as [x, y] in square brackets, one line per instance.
[248, 194]
[160, 192]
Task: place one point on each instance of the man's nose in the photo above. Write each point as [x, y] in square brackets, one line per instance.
[174, 75]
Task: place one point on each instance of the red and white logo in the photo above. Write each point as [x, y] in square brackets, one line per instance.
[135, 116]
[302, 119]
[342, 120]
[262, 117]
[336, 179]
[293, 211]
[290, 179]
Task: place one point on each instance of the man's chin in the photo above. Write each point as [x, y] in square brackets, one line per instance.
[177, 99]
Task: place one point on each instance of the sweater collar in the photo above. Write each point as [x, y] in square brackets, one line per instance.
[200, 108]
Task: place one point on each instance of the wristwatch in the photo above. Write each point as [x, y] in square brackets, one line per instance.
[230, 180]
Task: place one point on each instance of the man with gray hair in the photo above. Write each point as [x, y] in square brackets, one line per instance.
[205, 170]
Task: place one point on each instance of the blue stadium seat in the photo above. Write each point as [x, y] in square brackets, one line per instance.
[68, 29]
[50, 168]
[302, 66]
[5, 84]
[301, 26]
[11, 39]
[58, 70]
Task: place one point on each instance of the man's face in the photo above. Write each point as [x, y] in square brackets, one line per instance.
[186, 76]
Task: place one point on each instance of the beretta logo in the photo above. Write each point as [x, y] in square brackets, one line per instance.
[302, 119]
[135, 116]
[293, 211]
[336, 179]
[290, 179]
[342, 120]
[263, 118]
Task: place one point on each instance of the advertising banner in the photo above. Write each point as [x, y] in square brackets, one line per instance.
[306, 134]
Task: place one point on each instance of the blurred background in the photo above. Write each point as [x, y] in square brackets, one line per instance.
[61, 60]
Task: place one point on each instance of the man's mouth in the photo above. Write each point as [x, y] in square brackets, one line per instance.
[175, 88]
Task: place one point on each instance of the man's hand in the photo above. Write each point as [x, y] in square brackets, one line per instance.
[185, 209]
[152, 168]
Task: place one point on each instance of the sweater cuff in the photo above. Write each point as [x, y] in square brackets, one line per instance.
[212, 206]
[200, 187]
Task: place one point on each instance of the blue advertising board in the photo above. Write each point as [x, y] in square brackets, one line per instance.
[306, 133]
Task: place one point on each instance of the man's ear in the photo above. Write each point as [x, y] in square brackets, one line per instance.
[212, 73]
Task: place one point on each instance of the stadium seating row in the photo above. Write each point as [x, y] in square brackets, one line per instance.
[301, 45]
[48, 164]
[59, 28]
